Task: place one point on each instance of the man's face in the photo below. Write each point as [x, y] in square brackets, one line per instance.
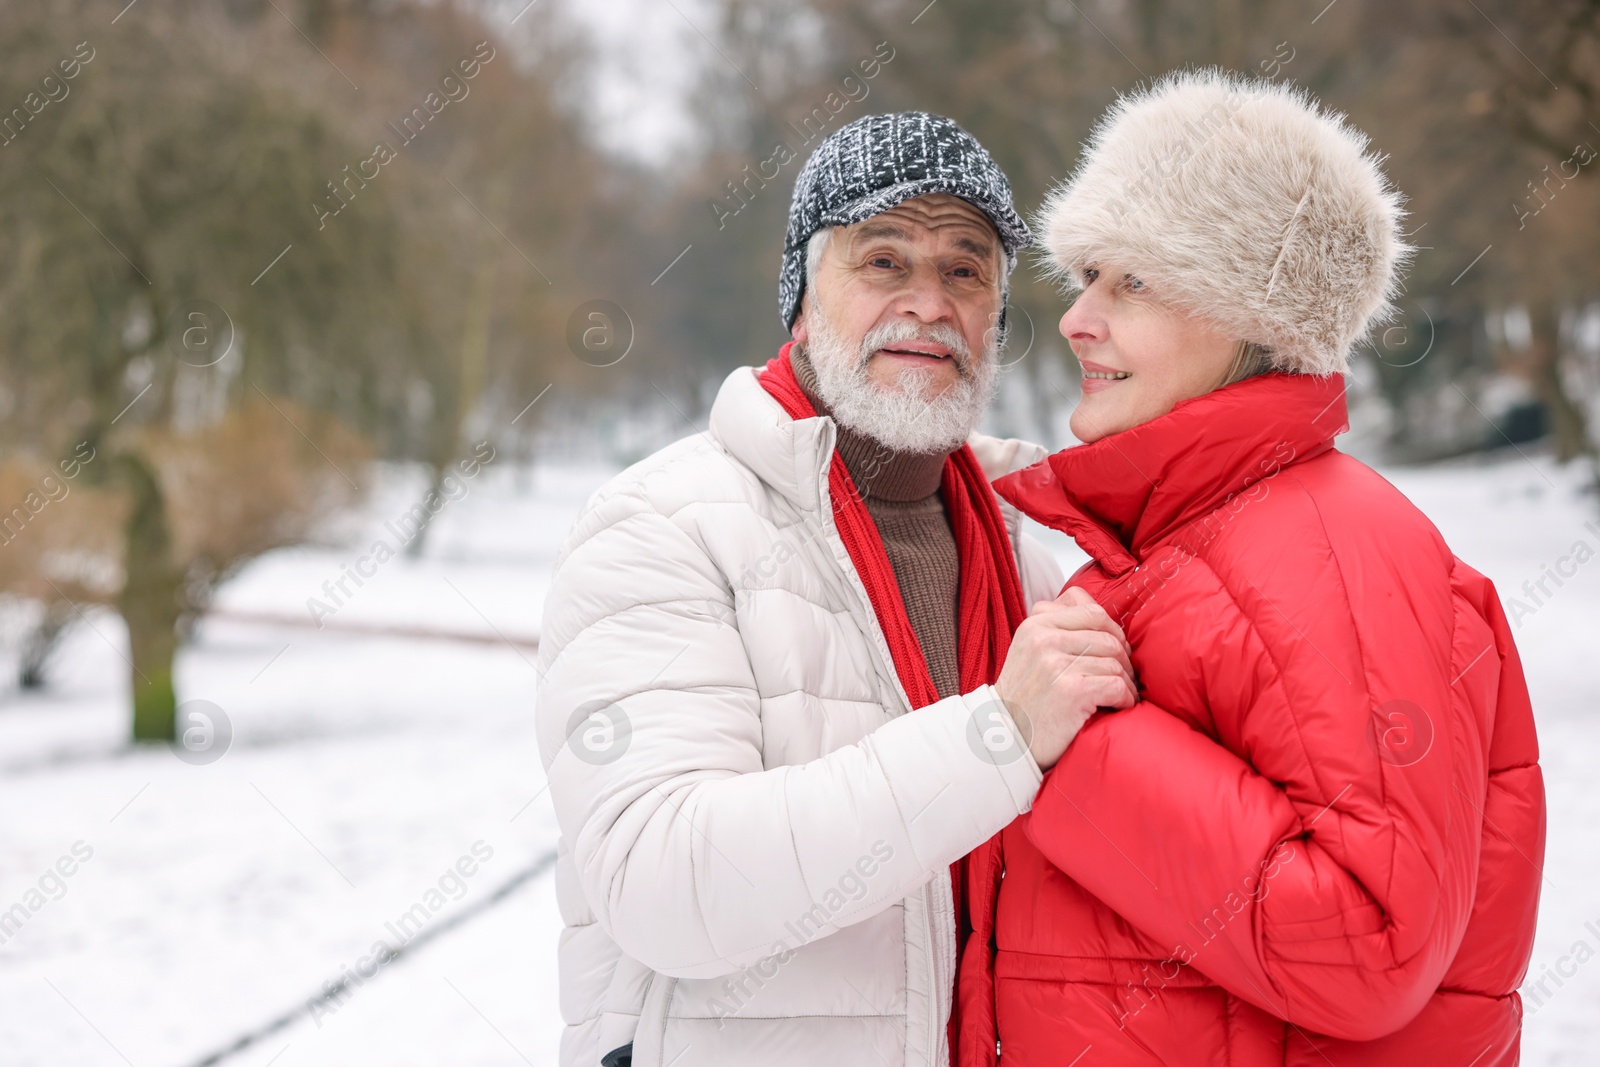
[933, 261]
[899, 323]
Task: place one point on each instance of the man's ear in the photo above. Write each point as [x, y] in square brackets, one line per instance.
[798, 330]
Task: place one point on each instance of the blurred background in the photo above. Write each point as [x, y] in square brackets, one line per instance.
[320, 319]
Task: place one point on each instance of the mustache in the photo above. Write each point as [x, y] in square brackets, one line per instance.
[900, 331]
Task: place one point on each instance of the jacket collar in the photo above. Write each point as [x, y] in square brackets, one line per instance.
[1125, 492]
[791, 455]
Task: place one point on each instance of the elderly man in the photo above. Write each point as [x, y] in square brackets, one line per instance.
[784, 689]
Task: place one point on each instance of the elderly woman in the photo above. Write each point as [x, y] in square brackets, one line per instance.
[1317, 838]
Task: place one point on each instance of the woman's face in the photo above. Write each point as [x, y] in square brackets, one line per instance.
[1139, 359]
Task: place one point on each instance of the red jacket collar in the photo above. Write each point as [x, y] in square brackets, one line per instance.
[1126, 491]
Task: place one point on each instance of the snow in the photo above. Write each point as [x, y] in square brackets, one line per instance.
[364, 768]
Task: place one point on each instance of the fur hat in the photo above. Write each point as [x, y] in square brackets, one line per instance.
[1241, 201]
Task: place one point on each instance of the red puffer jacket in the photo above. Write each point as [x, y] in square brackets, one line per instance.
[1318, 838]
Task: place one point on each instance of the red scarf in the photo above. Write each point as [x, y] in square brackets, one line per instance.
[990, 604]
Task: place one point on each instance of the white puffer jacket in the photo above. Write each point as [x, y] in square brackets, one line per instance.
[755, 834]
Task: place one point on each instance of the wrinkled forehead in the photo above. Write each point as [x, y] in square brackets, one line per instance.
[935, 218]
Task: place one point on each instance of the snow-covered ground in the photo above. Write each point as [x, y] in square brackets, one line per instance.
[378, 784]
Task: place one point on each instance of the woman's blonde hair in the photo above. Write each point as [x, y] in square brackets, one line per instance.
[1249, 360]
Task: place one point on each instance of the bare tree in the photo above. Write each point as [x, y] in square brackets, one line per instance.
[157, 225]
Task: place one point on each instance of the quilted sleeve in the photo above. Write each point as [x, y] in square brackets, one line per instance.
[1319, 855]
[696, 860]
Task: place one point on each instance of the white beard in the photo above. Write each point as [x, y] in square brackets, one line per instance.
[909, 416]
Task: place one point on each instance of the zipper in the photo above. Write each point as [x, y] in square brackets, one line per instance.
[940, 961]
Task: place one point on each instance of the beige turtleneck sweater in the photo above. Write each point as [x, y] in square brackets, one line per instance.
[901, 492]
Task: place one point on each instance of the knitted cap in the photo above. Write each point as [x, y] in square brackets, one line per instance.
[1241, 201]
[874, 163]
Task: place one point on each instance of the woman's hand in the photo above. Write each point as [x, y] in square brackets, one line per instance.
[1067, 659]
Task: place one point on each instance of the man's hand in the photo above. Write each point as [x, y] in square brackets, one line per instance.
[1067, 659]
